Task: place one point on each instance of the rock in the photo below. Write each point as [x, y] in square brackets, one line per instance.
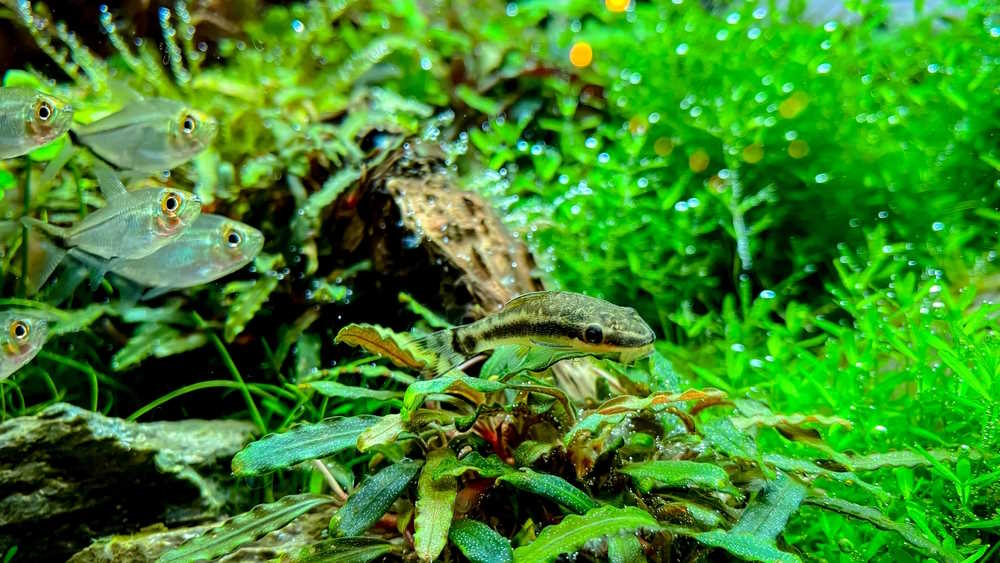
[68, 475]
[148, 545]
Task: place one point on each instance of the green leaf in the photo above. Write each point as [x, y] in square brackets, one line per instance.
[613, 410]
[341, 391]
[574, 531]
[875, 517]
[471, 388]
[397, 348]
[801, 466]
[677, 473]
[21, 78]
[625, 549]
[301, 443]
[479, 543]
[551, 487]
[435, 507]
[746, 546]
[244, 528]
[727, 439]
[250, 297]
[384, 431]
[768, 514]
[431, 318]
[511, 359]
[157, 340]
[375, 495]
[474, 100]
[344, 550]
[491, 466]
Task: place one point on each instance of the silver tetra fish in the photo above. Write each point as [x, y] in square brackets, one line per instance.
[22, 335]
[553, 319]
[213, 247]
[30, 119]
[149, 135]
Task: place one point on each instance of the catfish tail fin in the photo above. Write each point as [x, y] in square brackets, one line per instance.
[439, 348]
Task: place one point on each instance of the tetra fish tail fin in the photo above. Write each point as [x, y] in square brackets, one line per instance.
[32, 223]
[438, 346]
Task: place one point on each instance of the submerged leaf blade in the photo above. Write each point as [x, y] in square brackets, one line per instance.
[435, 507]
[574, 531]
[301, 443]
[375, 495]
[480, 543]
[551, 487]
[677, 473]
[244, 528]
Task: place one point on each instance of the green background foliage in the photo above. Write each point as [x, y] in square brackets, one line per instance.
[804, 211]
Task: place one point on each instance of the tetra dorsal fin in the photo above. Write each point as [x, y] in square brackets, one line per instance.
[109, 182]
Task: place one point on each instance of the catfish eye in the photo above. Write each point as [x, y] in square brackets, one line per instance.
[593, 334]
[170, 203]
[19, 330]
[43, 110]
[188, 124]
[233, 238]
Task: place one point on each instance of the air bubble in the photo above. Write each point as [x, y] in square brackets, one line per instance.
[681, 49]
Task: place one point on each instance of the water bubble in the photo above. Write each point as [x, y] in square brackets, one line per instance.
[995, 32]
[590, 143]
[937, 226]
[733, 18]
[756, 363]
[825, 45]
[883, 214]
[603, 158]
[737, 347]
[760, 13]
[753, 33]
[822, 178]
[693, 202]
[760, 97]
[767, 294]
[642, 182]
[298, 26]
[695, 111]
[823, 68]
[830, 26]
[563, 179]
[634, 78]
[537, 149]
[511, 9]
[681, 206]
[933, 68]
[791, 135]
[425, 63]
[575, 210]
[721, 35]
[681, 49]
[787, 87]
[522, 145]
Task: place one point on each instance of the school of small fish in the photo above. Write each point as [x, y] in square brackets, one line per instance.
[156, 237]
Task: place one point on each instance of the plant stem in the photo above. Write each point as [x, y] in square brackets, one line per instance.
[228, 360]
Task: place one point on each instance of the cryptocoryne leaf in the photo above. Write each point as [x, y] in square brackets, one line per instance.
[613, 410]
[301, 443]
[677, 473]
[743, 422]
[508, 360]
[551, 487]
[574, 531]
[343, 550]
[341, 391]
[471, 388]
[768, 514]
[384, 431]
[398, 348]
[480, 543]
[375, 495]
[625, 549]
[911, 535]
[491, 466]
[435, 507]
[746, 546]
[244, 528]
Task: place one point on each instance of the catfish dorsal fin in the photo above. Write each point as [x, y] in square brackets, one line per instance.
[523, 299]
[109, 182]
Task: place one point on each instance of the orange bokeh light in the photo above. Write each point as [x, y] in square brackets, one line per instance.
[580, 54]
[616, 6]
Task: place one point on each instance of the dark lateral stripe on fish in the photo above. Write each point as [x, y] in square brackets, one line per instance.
[525, 327]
